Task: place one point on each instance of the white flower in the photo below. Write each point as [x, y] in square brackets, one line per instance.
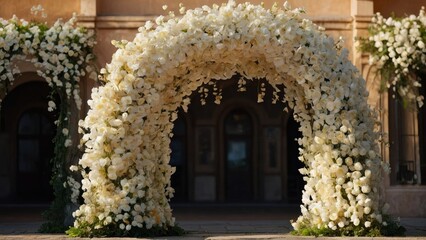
[68, 143]
[65, 131]
[386, 208]
[52, 106]
[367, 210]
[358, 166]
[73, 168]
[367, 224]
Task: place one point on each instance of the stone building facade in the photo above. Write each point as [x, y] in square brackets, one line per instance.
[239, 151]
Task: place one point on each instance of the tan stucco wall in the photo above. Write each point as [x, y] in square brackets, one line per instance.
[104, 49]
[119, 19]
[54, 8]
[154, 7]
[406, 201]
[399, 8]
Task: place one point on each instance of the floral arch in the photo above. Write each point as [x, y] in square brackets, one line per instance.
[128, 127]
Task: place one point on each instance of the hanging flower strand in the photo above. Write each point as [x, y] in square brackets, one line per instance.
[397, 46]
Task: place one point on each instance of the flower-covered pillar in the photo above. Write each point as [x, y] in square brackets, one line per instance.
[63, 56]
[127, 130]
[340, 153]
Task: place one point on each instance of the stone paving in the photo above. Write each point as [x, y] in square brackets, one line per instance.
[200, 223]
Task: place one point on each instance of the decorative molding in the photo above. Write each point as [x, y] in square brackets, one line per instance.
[86, 21]
[122, 22]
[406, 188]
[134, 22]
[333, 22]
[362, 22]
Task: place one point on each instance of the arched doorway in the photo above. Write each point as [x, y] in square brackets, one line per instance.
[239, 151]
[30, 129]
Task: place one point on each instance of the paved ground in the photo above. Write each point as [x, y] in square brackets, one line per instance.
[201, 222]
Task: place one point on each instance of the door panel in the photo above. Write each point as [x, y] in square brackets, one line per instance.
[238, 157]
[239, 185]
[35, 134]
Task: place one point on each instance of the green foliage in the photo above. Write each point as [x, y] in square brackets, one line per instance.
[113, 230]
[51, 227]
[55, 215]
[391, 228]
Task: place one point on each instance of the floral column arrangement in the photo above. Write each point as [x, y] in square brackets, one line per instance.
[63, 56]
[127, 130]
[397, 47]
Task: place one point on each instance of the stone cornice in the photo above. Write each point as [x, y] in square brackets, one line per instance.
[333, 22]
[134, 22]
[362, 22]
[122, 22]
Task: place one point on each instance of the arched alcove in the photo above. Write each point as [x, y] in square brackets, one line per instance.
[27, 131]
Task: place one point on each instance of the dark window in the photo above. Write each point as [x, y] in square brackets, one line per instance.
[34, 139]
[404, 160]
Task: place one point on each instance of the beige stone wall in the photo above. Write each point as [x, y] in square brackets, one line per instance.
[54, 8]
[407, 201]
[118, 20]
[154, 7]
[399, 8]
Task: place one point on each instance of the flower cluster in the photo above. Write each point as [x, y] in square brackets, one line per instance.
[74, 187]
[398, 48]
[63, 55]
[128, 127]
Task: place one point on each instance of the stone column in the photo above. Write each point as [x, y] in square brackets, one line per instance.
[361, 11]
[87, 16]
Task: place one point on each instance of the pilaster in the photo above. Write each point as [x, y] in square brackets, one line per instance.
[362, 11]
[88, 13]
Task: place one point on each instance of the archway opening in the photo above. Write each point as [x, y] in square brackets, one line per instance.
[257, 139]
[29, 129]
[240, 156]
